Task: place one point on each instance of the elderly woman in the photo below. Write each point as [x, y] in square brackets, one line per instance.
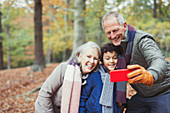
[61, 91]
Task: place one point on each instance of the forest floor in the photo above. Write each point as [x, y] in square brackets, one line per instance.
[17, 84]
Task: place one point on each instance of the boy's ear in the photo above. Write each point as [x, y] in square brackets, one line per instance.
[100, 59]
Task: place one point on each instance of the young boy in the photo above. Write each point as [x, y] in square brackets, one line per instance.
[98, 95]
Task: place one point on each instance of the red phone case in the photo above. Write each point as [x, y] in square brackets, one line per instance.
[119, 75]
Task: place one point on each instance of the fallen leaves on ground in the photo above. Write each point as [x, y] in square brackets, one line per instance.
[15, 85]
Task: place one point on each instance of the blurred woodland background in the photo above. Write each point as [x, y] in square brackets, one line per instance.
[39, 32]
[37, 35]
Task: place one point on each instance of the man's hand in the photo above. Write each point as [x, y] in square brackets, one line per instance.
[139, 75]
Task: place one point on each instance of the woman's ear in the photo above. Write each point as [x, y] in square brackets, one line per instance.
[79, 57]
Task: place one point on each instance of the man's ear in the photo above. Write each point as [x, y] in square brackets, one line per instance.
[125, 26]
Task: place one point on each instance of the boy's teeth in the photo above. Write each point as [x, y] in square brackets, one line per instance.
[111, 64]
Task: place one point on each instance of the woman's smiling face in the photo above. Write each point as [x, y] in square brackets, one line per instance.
[89, 60]
[110, 60]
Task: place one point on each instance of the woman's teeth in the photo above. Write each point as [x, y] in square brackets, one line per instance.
[89, 65]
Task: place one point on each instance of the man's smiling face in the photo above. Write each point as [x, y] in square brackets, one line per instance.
[114, 31]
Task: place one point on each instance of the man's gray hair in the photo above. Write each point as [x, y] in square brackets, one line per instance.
[84, 48]
[111, 15]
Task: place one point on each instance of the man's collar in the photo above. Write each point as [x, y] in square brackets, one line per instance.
[126, 34]
[125, 39]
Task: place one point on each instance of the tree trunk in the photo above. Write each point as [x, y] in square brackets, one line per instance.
[9, 58]
[9, 49]
[160, 7]
[39, 62]
[66, 18]
[1, 46]
[1, 55]
[49, 56]
[79, 24]
[155, 9]
[49, 49]
[66, 15]
[100, 31]
[66, 54]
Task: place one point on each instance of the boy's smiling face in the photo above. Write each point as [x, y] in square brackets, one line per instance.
[110, 60]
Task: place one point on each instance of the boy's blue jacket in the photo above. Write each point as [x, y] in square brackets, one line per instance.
[91, 95]
[91, 91]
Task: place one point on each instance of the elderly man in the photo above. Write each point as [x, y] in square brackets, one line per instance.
[151, 75]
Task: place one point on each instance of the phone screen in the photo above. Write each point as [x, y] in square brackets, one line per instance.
[119, 75]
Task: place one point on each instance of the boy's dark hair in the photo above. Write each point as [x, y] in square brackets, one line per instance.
[109, 47]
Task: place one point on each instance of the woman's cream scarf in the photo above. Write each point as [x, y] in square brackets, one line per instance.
[71, 89]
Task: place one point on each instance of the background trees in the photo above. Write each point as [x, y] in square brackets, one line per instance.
[79, 24]
[66, 24]
[39, 62]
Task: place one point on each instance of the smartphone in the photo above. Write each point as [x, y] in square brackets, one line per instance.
[119, 75]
